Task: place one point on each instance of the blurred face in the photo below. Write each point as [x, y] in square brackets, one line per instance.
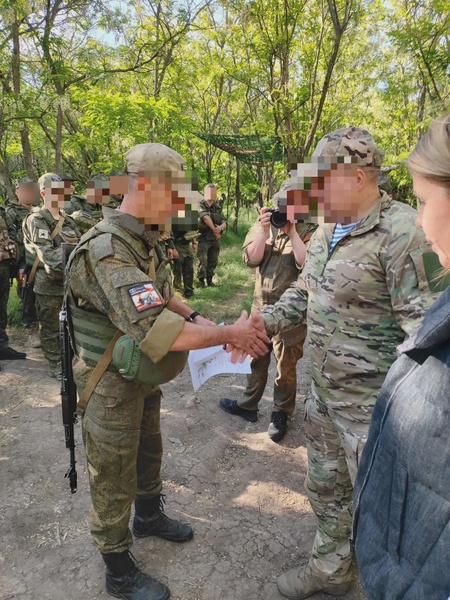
[163, 202]
[210, 194]
[28, 194]
[57, 195]
[97, 192]
[434, 216]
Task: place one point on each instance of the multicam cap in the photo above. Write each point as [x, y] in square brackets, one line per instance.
[45, 181]
[353, 142]
[156, 158]
[24, 181]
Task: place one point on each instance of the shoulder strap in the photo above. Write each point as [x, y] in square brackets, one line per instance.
[97, 374]
[53, 234]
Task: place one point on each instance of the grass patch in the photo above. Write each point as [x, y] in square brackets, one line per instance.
[234, 281]
[14, 307]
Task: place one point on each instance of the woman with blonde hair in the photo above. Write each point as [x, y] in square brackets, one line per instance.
[401, 527]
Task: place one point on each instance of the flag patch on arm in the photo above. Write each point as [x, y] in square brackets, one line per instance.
[145, 296]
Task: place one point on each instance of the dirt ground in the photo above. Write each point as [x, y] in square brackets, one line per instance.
[242, 493]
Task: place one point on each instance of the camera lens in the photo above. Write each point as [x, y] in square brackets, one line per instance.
[278, 219]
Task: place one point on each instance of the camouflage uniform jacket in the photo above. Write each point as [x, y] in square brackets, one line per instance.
[37, 229]
[7, 247]
[215, 212]
[110, 276]
[15, 214]
[79, 203]
[278, 269]
[182, 242]
[361, 301]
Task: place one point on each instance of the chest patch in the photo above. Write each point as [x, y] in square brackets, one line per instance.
[145, 296]
[43, 234]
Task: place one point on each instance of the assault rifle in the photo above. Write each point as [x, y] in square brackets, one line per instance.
[68, 387]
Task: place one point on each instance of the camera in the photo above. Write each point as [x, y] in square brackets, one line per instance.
[277, 218]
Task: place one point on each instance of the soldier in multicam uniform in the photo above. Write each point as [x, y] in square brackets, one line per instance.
[7, 255]
[364, 288]
[212, 224]
[27, 192]
[44, 230]
[118, 280]
[278, 256]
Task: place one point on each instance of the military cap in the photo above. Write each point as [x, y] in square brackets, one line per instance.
[154, 158]
[45, 181]
[24, 181]
[352, 142]
[67, 177]
[98, 180]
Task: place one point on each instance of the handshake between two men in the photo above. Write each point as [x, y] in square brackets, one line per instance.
[246, 336]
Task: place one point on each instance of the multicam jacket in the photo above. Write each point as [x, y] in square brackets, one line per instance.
[361, 301]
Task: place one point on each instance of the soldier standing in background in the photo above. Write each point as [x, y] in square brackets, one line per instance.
[365, 287]
[212, 224]
[185, 244]
[45, 229]
[27, 192]
[87, 211]
[278, 256]
[7, 254]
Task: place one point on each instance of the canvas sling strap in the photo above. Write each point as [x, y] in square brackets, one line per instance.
[53, 234]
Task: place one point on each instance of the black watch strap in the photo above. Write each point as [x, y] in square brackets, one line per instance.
[192, 316]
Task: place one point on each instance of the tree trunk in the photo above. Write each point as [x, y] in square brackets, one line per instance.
[58, 140]
[237, 192]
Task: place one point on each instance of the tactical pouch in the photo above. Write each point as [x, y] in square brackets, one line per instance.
[136, 366]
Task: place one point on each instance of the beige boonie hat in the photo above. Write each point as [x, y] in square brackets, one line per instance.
[46, 180]
[350, 142]
[154, 158]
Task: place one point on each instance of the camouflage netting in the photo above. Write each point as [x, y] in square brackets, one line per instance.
[250, 149]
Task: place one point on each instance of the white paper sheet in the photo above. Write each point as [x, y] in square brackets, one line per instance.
[208, 362]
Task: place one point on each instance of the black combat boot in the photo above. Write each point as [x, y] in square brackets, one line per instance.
[210, 282]
[150, 519]
[125, 580]
[201, 282]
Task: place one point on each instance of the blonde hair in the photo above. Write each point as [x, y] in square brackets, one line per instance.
[431, 157]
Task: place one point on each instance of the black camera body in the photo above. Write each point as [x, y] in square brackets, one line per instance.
[277, 218]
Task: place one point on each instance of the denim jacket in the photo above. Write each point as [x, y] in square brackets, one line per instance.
[401, 527]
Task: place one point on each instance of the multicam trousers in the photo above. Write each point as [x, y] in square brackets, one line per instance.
[334, 444]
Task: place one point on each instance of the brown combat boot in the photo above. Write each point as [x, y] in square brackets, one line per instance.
[301, 583]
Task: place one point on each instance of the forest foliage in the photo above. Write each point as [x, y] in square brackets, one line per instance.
[83, 80]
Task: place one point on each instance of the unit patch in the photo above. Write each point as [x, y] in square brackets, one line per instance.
[145, 296]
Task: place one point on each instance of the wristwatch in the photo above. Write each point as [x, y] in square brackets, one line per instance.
[192, 317]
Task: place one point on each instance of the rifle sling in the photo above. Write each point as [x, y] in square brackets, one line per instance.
[53, 234]
[97, 373]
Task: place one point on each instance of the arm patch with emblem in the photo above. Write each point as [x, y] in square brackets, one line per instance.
[145, 296]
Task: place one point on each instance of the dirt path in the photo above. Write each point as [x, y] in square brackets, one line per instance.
[242, 493]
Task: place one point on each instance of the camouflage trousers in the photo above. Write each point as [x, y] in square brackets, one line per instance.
[123, 444]
[334, 444]
[4, 295]
[286, 354]
[208, 258]
[48, 308]
[183, 268]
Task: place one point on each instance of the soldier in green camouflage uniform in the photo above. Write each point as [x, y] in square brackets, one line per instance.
[38, 228]
[117, 264]
[185, 244]
[27, 192]
[7, 256]
[87, 211]
[362, 293]
[277, 255]
[212, 224]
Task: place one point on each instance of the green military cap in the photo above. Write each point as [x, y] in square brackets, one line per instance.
[67, 177]
[25, 181]
[98, 179]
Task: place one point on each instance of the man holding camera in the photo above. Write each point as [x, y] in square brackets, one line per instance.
[277, 254]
